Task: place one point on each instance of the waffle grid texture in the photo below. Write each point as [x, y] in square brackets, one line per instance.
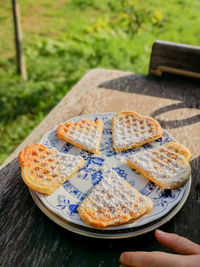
[47, 168]
[112, 202]
[129, 129]
[167, 165]
[83, 134]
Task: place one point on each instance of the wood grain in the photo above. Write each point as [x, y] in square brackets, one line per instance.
[29, 238]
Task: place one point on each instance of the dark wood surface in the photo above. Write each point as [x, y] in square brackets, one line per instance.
[29, 238]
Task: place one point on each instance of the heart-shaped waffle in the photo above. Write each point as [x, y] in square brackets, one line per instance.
[113, 202]
[129, 129]
[44, 169]
[84, 134]
[167, 165]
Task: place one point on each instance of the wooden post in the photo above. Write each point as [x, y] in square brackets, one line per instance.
[21, 65]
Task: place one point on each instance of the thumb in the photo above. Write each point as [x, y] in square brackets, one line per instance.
[177, 243]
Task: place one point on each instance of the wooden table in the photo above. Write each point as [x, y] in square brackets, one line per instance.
[29, 238]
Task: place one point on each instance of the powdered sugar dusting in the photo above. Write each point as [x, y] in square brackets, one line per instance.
[163, 164]
[114, 196]
[54, 167]
[86, 133]
[129, 130]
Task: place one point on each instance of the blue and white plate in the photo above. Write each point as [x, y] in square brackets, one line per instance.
[65, 200]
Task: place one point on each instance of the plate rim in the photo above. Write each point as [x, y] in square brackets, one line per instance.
[63, 223]
[102, 114]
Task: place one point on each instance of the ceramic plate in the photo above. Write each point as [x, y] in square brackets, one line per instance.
[65, 200]
[112, 234]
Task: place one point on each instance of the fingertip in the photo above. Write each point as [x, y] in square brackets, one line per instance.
[160, 232]
[177, 243]
[125, 257]
[122, 257]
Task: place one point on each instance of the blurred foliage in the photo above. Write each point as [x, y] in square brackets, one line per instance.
[65, 39]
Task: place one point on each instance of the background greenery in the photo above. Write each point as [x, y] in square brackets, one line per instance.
[63, 39]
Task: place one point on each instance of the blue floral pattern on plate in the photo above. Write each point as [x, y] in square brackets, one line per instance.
[65, 200]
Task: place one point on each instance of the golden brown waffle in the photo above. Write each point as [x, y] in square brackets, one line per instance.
[113, 202]
[84, 134]
[44, 169]
[167, 165]
[129, 129]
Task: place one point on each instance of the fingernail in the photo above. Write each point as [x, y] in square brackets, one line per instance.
[160, 232]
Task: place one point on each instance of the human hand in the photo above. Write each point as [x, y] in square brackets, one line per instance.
[190, 253]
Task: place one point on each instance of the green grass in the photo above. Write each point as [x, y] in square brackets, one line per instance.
[64, 39]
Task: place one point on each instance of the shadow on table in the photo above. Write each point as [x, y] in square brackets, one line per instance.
[184, 89]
